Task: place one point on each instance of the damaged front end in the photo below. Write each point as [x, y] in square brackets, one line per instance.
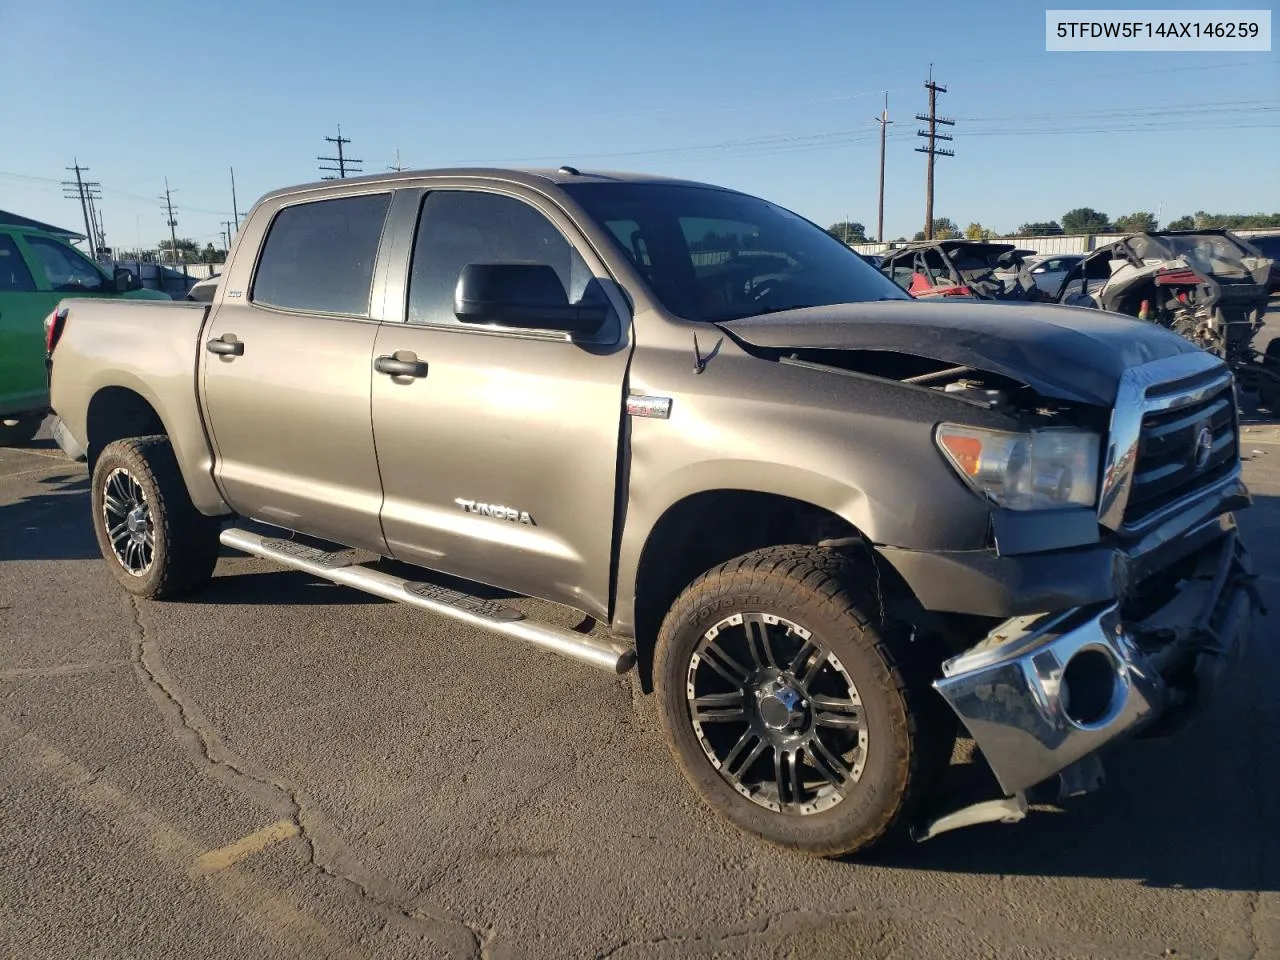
[1042, 693]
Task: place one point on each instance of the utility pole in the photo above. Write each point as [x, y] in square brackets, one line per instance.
[235, 207]
[227, 225]
[93, 192]
[84, 204]
[884, 122]
[173, 223]
[95, 217]
[342, 161]
[932, 150]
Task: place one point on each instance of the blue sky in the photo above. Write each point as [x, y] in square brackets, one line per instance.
[734, 93]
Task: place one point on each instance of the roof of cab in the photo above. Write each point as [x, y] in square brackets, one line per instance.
[528, 176]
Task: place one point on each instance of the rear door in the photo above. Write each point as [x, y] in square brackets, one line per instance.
[500, 461]
[287, 366]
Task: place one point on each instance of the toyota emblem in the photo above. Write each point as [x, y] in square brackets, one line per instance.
[1203, 448]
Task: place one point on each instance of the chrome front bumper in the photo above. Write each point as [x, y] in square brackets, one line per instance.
[1044, 691]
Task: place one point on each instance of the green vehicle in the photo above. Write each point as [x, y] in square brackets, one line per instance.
[37, 270]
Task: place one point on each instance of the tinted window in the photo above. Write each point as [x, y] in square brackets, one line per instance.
[461, 227]
[14, 275]
[711, 254]
[320, 255]
[1270, 245]
[65, 269]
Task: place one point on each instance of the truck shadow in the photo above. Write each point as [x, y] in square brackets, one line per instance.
[277, 587]
[53, 524]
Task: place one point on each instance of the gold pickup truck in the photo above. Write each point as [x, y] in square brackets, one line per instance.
[828, 524]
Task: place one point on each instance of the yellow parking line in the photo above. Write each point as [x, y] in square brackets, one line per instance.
[224, 857]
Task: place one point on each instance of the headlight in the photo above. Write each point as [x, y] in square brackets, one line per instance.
[1035, 470]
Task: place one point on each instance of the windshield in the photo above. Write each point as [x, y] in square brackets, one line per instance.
[711, 255]
[1212, 254]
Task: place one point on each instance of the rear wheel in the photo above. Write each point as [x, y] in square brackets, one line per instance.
[18, 430]
[789, 709]
[155, 542]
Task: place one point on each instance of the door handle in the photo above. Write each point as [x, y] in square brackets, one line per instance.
[226, 345]
[396, 366]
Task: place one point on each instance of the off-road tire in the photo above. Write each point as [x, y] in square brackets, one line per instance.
[910, 732]
[186, 545]
[16, 431]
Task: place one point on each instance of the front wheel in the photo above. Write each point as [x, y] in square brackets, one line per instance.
[155, 542]
[789, 709]
[18, 430]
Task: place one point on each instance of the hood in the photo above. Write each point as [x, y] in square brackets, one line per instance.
[1069, 353]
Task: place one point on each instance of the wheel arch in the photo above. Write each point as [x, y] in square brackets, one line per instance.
[117, 411]
[706, 528]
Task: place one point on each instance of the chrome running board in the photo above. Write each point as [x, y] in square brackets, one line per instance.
[494, 616]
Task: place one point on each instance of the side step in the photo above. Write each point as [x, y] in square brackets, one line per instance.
[496, 617]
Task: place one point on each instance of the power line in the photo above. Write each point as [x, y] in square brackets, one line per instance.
[933, 150]
[342, 161]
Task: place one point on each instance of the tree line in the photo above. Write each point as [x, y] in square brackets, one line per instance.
[1077, 221]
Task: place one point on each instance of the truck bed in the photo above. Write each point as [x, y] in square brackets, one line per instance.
[115, 351]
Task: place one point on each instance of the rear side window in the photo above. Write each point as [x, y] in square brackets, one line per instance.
[14, 275]
[319, 256]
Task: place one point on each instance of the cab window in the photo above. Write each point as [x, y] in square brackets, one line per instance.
[460, 227]
[319, 255]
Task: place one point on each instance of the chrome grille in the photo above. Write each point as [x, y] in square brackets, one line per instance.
[1187, 442]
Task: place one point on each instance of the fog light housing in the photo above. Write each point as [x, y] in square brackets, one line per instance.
[1090, 688]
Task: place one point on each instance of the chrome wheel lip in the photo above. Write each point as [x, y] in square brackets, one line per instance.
[798, 748]
[126, 515]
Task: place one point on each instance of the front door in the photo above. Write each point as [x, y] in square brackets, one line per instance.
[286, 375]
[499, 452]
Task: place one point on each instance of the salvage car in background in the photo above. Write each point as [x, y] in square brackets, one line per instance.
[1049, 271]
[972, 269]
[1209, 286]
[37, 270]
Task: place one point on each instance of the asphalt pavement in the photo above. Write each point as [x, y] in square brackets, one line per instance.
[279, 768]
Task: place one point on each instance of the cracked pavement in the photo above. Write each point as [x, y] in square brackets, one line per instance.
[277, 767]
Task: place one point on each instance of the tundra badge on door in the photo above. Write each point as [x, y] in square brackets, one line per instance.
[495, 510]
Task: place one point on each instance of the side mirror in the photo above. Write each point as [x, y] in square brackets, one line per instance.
[123, 280]
[528, 295]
